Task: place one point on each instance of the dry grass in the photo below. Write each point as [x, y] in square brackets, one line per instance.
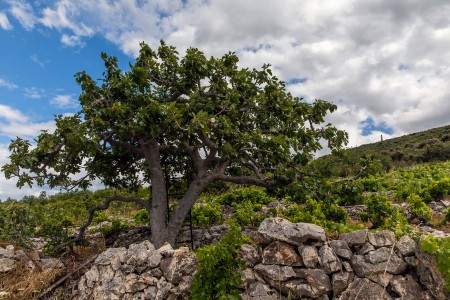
[24, 283]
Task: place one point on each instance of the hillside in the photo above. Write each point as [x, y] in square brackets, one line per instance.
[432, 145]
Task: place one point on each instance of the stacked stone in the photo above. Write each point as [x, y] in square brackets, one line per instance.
[139, 272]
[10, 257]
[289, 261]
[300, 263]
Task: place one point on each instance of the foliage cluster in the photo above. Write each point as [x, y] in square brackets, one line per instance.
[440, 248]
[52, 217]
[385, 216]
[220, 271]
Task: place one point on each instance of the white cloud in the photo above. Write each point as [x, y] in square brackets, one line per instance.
[4, 22]
[14, 123]
[34, 92]
[64, 101]
[35, 59]
[23, 12]
[7, 84]
[387, 60]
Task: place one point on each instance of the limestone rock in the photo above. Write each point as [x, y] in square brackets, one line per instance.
[382, 238]
[428, 273]
[300, 289]
[317, 279]
[354, 238]
[379, 255]
[248, 277]
[328, 260]
[366, 248]
[310, 256]
[166, 250]
[105, 258]
[176, 267]
[365, 289]
[7, 264]
[261, 291]
[292, 233]
[363, 268]
[406, 246]
[279, 253]
[382, 278]
[340, 281]
[51, 263]
[250, 254]
[341, 248]
[406, 287]
[274, 272]
[6, 252]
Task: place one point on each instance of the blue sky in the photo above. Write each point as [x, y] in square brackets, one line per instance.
[385, 63]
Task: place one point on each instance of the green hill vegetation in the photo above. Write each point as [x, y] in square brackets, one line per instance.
[432, 145]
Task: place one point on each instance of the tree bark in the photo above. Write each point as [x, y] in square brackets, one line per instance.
[158, 210]
[183, 207]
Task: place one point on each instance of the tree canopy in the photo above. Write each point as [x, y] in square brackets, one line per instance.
[228, 123]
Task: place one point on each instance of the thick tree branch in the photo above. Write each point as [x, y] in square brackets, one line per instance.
[104, 206]
[125, 146]
[245, 180]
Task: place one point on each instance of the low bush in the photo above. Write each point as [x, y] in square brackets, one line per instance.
[141, 217]
[418, 208]
[220, 270]
[207, 214]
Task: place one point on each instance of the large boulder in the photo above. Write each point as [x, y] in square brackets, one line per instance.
[278, 229]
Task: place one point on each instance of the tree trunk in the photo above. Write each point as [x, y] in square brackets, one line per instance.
[158, 209]
[183, 207]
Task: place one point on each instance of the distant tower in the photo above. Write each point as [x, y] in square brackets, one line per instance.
[381, 137]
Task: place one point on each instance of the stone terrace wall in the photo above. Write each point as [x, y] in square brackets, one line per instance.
[295, 261]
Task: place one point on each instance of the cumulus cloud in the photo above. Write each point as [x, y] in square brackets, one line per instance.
[384, 60]
[23, 12]
[64, 101]
[7, 84]
[13, 124]
[4, 22]
[33, 92]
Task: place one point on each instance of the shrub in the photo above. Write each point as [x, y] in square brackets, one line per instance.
[327, 215]
[141, 217]
[419, 208]
[56, 231]
[438, 190]
[384, 216]
[220, 271]
[18, 223]
[239, 195]
[379, 209]
[115, 228]
[207, 214]
[99, 216]
[246, 213]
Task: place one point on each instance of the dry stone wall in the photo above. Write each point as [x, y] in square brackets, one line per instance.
[289, 261]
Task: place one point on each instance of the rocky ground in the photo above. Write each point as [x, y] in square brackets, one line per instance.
[313, 268]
